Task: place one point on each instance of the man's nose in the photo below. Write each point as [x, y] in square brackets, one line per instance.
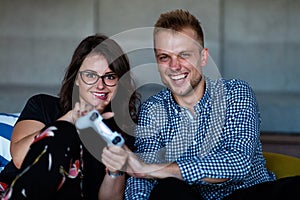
[175, 63]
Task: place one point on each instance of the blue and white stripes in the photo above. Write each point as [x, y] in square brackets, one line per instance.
[7, 122]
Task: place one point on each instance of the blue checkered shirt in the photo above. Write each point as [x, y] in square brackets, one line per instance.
[220, 140]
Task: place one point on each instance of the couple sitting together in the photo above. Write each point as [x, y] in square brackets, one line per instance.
[197, 138]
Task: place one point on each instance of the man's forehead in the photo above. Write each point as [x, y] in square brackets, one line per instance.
[165, 39]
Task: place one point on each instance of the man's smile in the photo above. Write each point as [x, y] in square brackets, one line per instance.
[178, 76]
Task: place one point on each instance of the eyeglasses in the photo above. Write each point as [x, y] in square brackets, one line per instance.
[90, 78]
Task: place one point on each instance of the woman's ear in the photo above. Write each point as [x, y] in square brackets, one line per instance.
[76, 81]
[204, 56]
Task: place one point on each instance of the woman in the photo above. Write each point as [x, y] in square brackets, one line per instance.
[47, 153]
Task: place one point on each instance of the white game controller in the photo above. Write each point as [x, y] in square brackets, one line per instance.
[94, 119]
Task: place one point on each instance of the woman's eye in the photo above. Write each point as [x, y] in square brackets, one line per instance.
[90, 75]
[110, 76]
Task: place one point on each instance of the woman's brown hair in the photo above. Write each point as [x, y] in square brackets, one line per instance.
[118, 63]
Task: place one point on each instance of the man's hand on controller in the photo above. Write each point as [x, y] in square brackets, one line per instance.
[114, 158]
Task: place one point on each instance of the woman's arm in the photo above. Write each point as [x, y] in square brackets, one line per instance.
[22, 136]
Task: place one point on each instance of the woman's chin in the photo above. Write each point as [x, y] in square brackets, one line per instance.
[100, 107]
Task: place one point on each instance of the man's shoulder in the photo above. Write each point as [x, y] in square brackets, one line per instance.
[237, 85]
[158, 102]
[235, 82]
[159, 98]
[239, 90]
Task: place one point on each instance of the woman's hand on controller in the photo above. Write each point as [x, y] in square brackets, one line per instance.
[81, 109]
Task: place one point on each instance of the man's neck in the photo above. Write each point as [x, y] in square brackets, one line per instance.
[190, 100]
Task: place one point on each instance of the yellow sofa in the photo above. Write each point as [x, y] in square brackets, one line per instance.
[282, 165]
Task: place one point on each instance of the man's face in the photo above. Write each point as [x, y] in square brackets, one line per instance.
[180, 59]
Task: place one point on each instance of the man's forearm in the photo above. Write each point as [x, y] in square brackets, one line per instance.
[161, 171]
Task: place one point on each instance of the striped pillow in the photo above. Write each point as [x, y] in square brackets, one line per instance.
[7, 122]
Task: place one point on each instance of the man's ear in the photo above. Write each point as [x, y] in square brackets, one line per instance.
[204, 56]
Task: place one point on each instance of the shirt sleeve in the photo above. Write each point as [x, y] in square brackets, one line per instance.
[138, 188]
[148, 148]
[41, 107]
[149, 142]
[240, 139]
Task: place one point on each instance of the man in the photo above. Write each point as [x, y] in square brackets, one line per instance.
[197, 138]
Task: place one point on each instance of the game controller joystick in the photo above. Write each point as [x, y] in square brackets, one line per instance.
[94, 119]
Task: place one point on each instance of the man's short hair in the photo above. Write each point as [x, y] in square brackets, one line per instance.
[177, 20]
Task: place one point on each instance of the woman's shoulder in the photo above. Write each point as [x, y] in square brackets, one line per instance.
[44, 98]
[41, 107]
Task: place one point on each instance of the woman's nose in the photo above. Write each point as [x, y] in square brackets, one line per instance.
[100, 83]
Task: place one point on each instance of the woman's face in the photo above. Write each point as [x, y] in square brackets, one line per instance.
[93, 72]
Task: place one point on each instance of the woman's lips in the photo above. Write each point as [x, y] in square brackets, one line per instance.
[101, 96]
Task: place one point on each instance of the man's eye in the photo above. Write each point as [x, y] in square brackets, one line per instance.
[184, 55]
[163, 58]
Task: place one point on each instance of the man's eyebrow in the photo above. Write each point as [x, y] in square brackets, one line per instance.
[186, 51]
[161, 53]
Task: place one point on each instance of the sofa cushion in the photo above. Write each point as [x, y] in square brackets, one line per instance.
[7, 122]
[282, 165]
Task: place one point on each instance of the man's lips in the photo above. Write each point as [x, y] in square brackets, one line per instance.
[178, 76]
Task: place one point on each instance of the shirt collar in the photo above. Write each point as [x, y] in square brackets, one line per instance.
[204, 101]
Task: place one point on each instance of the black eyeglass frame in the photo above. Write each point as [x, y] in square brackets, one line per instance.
[98, 77]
